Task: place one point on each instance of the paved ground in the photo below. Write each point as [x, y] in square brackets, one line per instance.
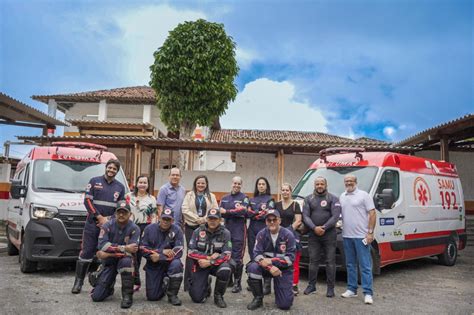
[420, 286]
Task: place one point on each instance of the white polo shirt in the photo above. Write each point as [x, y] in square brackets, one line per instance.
[355, 206]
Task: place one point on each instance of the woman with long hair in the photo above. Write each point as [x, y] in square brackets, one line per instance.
[260, 203]
[143, 206]
[196, 205]
[291, 218]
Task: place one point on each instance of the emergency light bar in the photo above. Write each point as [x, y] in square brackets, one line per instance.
[339, 150]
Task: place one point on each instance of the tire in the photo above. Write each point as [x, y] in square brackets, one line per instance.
[11, 249]
[450, 254]
[26, 265]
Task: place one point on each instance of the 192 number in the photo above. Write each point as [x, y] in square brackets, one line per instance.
[446, 197]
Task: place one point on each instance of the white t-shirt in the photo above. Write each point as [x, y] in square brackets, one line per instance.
[274, 238]
[355, 213]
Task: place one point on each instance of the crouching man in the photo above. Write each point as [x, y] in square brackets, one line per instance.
[162, 246]
[274, 254]
[118, 241]
[211, 248]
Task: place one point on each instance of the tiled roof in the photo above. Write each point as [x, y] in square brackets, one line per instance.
[17, 111]
[134, 94]
[282, 136]
[466, 121]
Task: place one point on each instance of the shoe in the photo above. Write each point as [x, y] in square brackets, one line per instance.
[368, 299]
[348, 294]
[330, 292]
[310, 290]
[295, 290]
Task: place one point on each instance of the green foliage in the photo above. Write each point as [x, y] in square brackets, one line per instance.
[193, 75]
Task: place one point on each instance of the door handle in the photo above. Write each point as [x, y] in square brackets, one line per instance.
[401, 216]
[16, 207]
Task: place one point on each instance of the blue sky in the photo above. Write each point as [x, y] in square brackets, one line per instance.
[382, 69]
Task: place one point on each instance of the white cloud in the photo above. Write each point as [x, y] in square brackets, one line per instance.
[389, 132]
[270, 105]
[245, 57]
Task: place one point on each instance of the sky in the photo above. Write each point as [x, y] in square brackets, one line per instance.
[384, 69]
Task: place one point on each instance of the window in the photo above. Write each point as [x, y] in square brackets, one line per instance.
[390, 179]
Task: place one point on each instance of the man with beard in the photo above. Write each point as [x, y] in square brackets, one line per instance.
[321, 212]
[100, 200]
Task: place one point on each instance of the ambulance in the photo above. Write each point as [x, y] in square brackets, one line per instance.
[46, 214]
[419, 203]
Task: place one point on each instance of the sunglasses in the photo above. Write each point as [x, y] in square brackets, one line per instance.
[272, 220]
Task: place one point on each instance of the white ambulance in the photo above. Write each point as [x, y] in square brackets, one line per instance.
[419, 202]
[46, 213]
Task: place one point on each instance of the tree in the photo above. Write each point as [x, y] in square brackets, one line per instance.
[193, 75]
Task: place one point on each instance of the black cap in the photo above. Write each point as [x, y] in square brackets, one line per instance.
[123, 205]
[168, 213]
[273, 212]
[214, 213]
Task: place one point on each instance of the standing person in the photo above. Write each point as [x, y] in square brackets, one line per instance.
[144, 212]
[171, 196]
[274, 257]
[196, 205]
[162, 246]
[261, 202]
[291, 219]
[118, 241]
[321, 211]
[100, 200]
[358, 215]
[233, 209]
[210, 248]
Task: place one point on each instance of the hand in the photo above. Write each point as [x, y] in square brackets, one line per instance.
[103, 255]
[319, 230]
[369, 238]
[101, 220]
[204, 263]
[223, 211]
[275, 271]
[202, 220]
[265, 262]
[155, 257]
[169, 253]
[131, 248]
[214, 256]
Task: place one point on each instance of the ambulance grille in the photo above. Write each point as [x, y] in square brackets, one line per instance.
[74, 222]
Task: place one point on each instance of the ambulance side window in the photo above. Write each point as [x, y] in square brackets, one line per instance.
[390, 179]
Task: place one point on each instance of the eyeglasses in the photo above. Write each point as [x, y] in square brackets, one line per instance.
[272, 220]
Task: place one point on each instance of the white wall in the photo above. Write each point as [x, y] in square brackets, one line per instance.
[464, 162]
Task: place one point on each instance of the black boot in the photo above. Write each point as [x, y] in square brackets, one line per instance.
[172, 292]
[257, 291]
[230, 284]
[267, 285]
[81, 269]
[238, 277]
[127, 290]
[330, 292]
[219, 290]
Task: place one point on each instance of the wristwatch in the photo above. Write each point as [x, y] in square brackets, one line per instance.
[212, 261]
[371, 231]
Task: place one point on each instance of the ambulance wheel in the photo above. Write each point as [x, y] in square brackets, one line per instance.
[11, 249]
[450, 254]
[26, 265]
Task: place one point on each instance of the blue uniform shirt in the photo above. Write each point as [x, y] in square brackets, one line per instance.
[101, 197]
[154, 238]
[259, 205]
[282, 253]
[113, 235]
[236, 206]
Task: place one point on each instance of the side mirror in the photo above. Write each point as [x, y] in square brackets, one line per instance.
[385, 200]
[17, 190]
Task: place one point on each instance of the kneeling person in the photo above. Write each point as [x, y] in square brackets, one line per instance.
[162, 246]
[211, 248]
[118, 241]
[274, 254]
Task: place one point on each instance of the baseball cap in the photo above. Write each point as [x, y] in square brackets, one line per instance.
[273, 212]
[167, 213]
[214, 213]
[123, 205]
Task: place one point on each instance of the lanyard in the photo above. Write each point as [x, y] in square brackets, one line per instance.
[201, 200]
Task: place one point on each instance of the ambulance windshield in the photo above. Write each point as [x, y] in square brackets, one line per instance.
[335, 179]
[67, 176]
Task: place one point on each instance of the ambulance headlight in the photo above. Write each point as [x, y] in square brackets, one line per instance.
[339, 224]
[43, 212]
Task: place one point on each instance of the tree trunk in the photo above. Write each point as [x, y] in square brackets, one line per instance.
[185, 133]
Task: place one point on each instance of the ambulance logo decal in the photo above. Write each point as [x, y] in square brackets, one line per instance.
[421, 193]
[116, 195]
[324, 203]
[202, 234]
[282, 248]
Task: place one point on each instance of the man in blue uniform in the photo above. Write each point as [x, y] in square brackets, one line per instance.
[234, 209]
[118, 241]
[211, 248]
[101, 196]
[162, 246]
[274, 254]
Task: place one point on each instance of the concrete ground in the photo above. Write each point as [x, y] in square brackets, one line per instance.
[420, 286]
